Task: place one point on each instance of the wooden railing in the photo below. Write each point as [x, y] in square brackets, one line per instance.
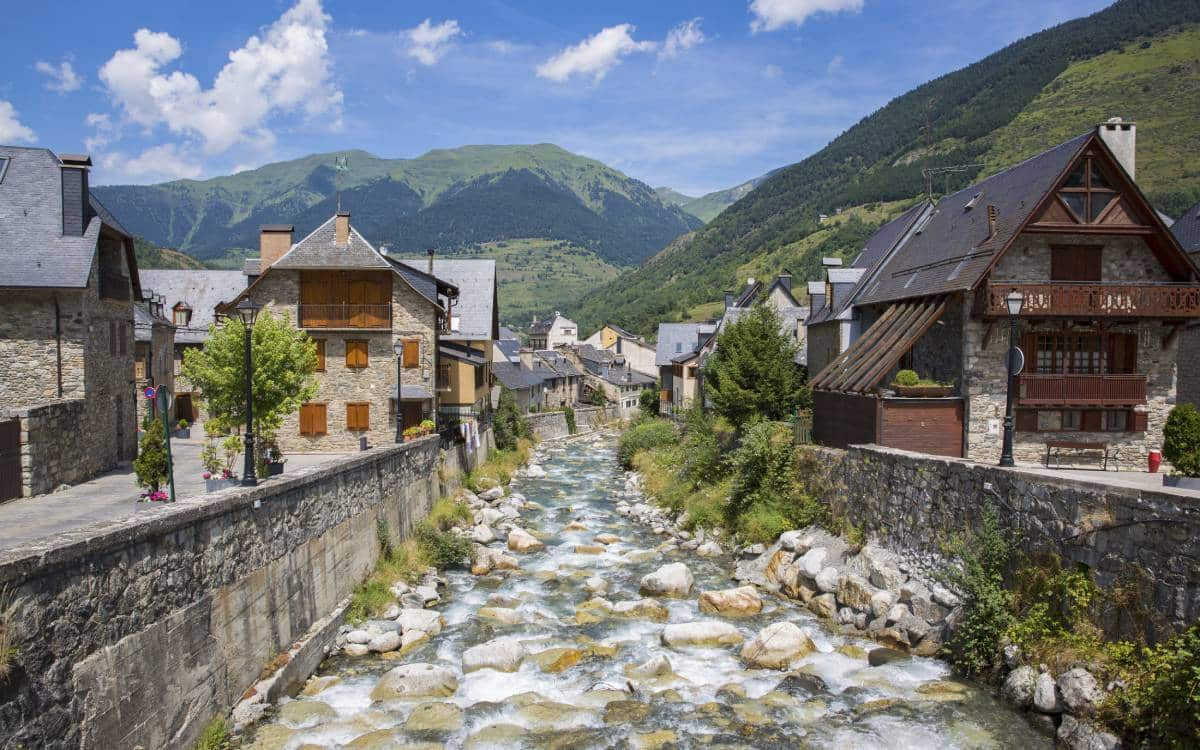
[1035, 389]
[345, 316]
[1094, 300]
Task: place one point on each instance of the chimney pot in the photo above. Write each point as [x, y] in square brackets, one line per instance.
[728, 299]
[341, 228]
[1121, 139]
[430, 253]
[274, 240]
[785, 280]
[991, 218]
[75, 201]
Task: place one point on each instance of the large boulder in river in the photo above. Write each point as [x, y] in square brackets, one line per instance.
[486, 559]
[1079, 691]
[740, 602]
[500, 654]
[427, 620]
[415, 681]
[701, 633]
[776, 646]
[670, 580]
[644, 609]
[1019, 685]
[520, 540]
[855, 592]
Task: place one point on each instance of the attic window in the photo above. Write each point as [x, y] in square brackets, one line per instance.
[3, 167]
[678, 347]
[910, 281]
[973, 202]
[957, 270]
[1087, 192]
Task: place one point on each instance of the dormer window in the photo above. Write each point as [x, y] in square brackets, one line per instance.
[1088, 192]
[3, 167]
[181, 315]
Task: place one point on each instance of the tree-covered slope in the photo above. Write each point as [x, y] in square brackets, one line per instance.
[442, 199]
[881, 157]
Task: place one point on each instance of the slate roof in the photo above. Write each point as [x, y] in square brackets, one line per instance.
[557, 363]
[623, 375]
[507, 334]
[144, 322]
[544, 325]
[476, 307]
[886, 237]
[510, 348]
[514, 377]
[688, 336]
[625, 334]
[951, 250]
[1187, 230]
[200, 290]
[34, 252]
[318, 251]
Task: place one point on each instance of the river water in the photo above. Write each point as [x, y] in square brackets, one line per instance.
[708, 699]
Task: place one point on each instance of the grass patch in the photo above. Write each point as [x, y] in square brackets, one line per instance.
[644, 435]
[215, 735]
[398, 561]
[447, 513]
[500, 467]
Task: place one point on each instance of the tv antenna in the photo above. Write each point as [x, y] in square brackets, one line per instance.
[930, 172]
[341, 165]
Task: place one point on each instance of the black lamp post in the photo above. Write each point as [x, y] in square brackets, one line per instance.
[247, 309]
[1013, 301]
[398, 347]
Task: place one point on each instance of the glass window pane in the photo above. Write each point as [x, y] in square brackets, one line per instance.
[1075, 201]
[1099, 180]
[1076, 179]
[1115, 421]
[1100, 201]
[1071, 420]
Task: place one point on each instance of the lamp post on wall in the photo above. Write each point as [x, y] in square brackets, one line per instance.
[247, 310]
[1016, 362]
[398, 347]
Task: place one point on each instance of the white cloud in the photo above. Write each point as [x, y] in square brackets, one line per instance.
[103, 131]
[63, 78]
[162, 162]
[501, 46]
[284, 69]
[684, 36]
[770, 15]
[428, 42]
[594, 56]
[835, 65]
[11, 129]
[772, 71]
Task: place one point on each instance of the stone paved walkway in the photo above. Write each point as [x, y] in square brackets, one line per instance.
[111, 497]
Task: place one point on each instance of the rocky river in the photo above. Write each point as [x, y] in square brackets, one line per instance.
[602, 637]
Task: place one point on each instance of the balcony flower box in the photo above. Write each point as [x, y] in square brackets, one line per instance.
[214, 483]
[923, 391]
[1180, 482]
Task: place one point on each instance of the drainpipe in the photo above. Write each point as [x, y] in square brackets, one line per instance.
[58, 344]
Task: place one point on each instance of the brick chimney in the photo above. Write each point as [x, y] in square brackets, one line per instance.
[526, 356]
[430, 252]
[1121, 139]
[341, 229]
[274, 240]
[785, 280]
[729, 296]
[75, 193]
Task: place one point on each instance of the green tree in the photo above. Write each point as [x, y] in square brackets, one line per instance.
[284, 362]
[753, 373]
[510, 425]
[648, 403]
[151, 463]
[1181, 439]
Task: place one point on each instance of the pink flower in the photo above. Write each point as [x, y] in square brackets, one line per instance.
[207, 475]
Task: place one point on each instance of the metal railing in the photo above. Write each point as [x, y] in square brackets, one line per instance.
[345, 316]
[802, 427]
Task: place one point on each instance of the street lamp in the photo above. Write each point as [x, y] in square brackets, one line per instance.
[1016, 362]
[398, 347]
[247, 310]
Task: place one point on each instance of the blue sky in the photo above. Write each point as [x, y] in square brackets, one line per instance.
[693, 95]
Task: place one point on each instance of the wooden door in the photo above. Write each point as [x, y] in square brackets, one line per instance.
[411, 413]
[10, 459]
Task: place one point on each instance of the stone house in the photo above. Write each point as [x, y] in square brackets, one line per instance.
[526, 387]
[561, 380]
[677, 357]
[1187, 233]
[190, 301]
[552, 332]
[1106, 290]
[634, 348]
[778, 296]
[153, 352]
[68, 282]
[357, 305]
[612, 375]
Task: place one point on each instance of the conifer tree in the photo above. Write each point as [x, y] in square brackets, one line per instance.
[151, 463]
[753, 373]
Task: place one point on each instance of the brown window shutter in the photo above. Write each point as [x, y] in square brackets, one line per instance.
[319, 423]
[306, 419]
[356, 354]
[1092, 421]
[320, 354]
[1131, 353]
[1136, 421]
[1026, 420]
[412, 353]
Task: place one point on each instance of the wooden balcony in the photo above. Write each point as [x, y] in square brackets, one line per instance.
[1096, 300]
[346, 316]
[1081, 390]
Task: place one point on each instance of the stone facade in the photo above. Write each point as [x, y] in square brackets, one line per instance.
[824, 344]
[157, 358]
[1187, 367]
[138, 633]
[84, 341]
[916, 503]
[412, 317]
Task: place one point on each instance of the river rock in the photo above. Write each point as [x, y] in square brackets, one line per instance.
[533, 471]
[588, 549]
[384, 642]
[740, 602]
[776, 646]
[882, 601]
[655, 666]
[502, 615]
[824, 605]
[435, 717]
[305, 714]
[482, 534]
[802, 685]
[595, 585]
[492, 495]
[1018, 686]
[855, 592]
[877, 657]
[575, 526]
[488, 516]
[500, 654]
[607, 539]
[883, 567]
[670, 580]
[520, 540]
[411, 639]
[827, 580]
[426, 620]
[711, 548]
[356, 649]
[647, 609]
[811, 563]
[554, 660]
[415, 681]
[486, 559]
[701, 633]
[358, 636]
[1082, 735]
[1045, 695]
[1079, 692]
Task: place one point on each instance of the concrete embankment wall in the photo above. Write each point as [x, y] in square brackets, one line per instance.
[553, 424]
[1144, 539]
[138, 633]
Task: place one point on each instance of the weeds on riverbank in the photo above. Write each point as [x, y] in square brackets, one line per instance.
[500, 467]
[215, 735]
[8, 649]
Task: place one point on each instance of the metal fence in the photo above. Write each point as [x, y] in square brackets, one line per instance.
[802, 428]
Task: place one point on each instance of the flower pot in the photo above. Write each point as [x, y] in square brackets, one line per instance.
[924, 391]
[1154, 460]
[184, 433]
[274, 468]
[1181, 482]
[216, 485]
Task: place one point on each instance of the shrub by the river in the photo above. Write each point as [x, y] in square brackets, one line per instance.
[1160, 704]
[442, 549]
[645, 435]
[1181, 440]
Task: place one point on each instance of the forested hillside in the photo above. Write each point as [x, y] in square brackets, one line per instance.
[997, 111]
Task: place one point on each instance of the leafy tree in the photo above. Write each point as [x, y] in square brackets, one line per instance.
[284, 362]
[1181, 439]
[596, 397]
[151, 463]
[753, 373]
[509, 424]
[648, 403]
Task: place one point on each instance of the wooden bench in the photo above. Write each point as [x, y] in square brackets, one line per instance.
[1054, 449]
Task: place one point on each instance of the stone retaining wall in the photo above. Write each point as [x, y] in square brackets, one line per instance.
[57, 446]
[916, 503]
[553, 424]
[138, 632]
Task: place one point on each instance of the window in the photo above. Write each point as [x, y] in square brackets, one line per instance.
[1072, 419]
[320, 354]
[1075, 262]
[312, 419]
[443, 376]
[412, 353]
[139, 369]
[181, 315]
[1087, 193]
[1115, 421]
[358, 415]
[356, 354]
[3, 167]
[1082, 353]
[479, 376]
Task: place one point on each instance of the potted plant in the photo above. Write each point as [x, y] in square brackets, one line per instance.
[217, 476]
[272, 457]
[910, 385]
[151, 464]
[184, 430]
[1181, 446]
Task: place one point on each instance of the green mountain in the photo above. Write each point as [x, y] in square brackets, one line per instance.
[150, 256]
[446, 199]
[1135, 59]
[708, 206]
